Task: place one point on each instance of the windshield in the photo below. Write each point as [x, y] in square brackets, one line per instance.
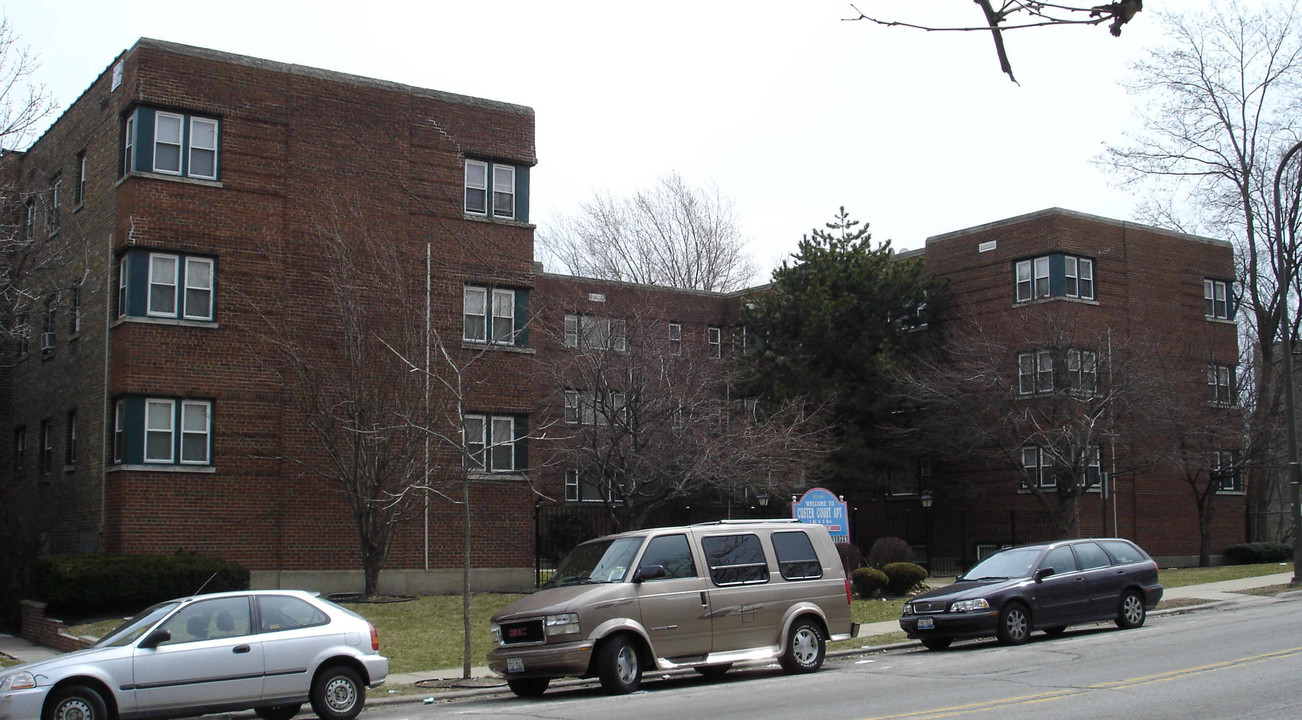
[1008, 564]
[127, 632]
[599, 561]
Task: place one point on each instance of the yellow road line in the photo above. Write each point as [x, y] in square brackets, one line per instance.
[955, 710]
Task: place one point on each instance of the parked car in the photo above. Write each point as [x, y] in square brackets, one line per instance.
[269, 651]
[703, 596]
[1046, 587]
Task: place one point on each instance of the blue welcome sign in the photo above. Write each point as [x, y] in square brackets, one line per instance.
[821, 507]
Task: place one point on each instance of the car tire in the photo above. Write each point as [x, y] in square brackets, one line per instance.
[528, 687]
[278, 712]
[1055, 631]
[712, 672]
[1131, 613]
[936, 643]
[619, 666]
[805, 648]
[1014, 624]
[75, 702]
[338, 693]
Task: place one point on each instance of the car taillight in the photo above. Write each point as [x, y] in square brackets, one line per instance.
[848, 599]
[375, 639]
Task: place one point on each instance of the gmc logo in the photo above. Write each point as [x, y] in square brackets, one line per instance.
[516, 632]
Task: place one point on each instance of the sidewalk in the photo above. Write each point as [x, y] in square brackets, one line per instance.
[1213, 593]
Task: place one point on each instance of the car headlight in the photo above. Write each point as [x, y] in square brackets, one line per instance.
[17, 681]
[908, 608]
[563, 624]
[969, 605]
[496, 631]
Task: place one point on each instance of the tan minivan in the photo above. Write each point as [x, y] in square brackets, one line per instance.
[701, 596]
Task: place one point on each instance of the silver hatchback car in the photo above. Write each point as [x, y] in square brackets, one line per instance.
[269, 650]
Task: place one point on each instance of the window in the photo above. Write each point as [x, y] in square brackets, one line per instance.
[580, 488]
[55, 200]
[1061, 560]
[572, 405]
[1091, 556]
[508, 183]
[675, 339]
[282, 612]
[167, 285]
[714, 336]
[74, 315]
[735, 559]
[495, 443]
[796, 557]
[171, 143]
[595, 333]
[1082, 371]
[1220, 385]
[198, 289]
[47, 447]
[20, 447]
[1037, 469]
[23, 333]
[1056, 275]
[494, 315]
[51, 322]
[29, 219]
[162, 431]
[1218, 299]
[209, 620]
[1225, 471]
[1034, 372]
[81, 178]
[1077, 371]
[70, 445]
[671, 552]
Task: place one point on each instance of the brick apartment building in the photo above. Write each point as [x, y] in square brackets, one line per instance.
[145, 416]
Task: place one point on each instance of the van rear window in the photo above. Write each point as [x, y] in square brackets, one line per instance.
[796, 557]
[735, 559]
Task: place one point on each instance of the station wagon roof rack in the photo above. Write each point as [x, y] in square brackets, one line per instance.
[760, 521]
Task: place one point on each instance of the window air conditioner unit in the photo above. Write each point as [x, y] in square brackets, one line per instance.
[47, 341]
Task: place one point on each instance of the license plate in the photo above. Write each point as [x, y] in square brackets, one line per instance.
[515, 664]
[926, 623]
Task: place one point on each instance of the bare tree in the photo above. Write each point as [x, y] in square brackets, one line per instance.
[1023, 14]
[1043, 408]
[340, 372]
[671, 234]
[1219, 107]
[646, 425]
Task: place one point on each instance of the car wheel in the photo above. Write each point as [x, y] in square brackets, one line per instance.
[713, 672]
[528, 687]
[1055, 631]
[338, 694]
[75, 702]
[936, 643]
[619, 666]
[1132, 612]
[278, 712]
[1014, 624]
[805, 648]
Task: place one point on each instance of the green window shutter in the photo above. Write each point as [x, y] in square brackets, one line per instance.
[522, 193]
[137, 283]
[144, 153]
[1058, 275]
[133, 450]
[522, 318]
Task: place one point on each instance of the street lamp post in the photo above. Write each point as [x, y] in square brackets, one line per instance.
[1294, 470]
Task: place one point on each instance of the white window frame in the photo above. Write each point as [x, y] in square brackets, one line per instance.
[572, 485]
[55, 201]
[47, 446]
[1220, 377]
[675, 338]
[119, 431]
[714, 338]
[573, 404]
[1071, 276]
[1037, 470]
[205, 431]
[81, 178]
[179, 144]
[504, 177]
[1086, 278]
[481, 186]
[1041, 276]
[1219, 459]
[619, 335]
[153, 281]
[482, 316]
[128, 150]
[1043, 371]
[122, 286]
[503, 309]
[70, 452]
[170, 430]
[1216, 299]
[207, 313]
[189, 163]
[498, 423]
[571, 331]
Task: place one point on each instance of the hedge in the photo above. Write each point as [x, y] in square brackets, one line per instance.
[90, 581]
[904, 577]
[1258, 552]
[869, 581]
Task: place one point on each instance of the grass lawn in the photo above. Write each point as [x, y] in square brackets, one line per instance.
[1179, 577]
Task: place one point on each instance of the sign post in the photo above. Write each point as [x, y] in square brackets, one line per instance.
[820, 507]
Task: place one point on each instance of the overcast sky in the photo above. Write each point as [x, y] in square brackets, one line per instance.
[786, 108]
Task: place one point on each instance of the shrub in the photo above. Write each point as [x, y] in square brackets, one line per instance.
[1258, 552]
[903, 577]
[851, 556]
[94, 581]
[889, 550]
[868, 581]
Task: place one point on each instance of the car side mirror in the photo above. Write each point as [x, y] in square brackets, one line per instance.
[154, 639]
[1043, 573]
[649, 572]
